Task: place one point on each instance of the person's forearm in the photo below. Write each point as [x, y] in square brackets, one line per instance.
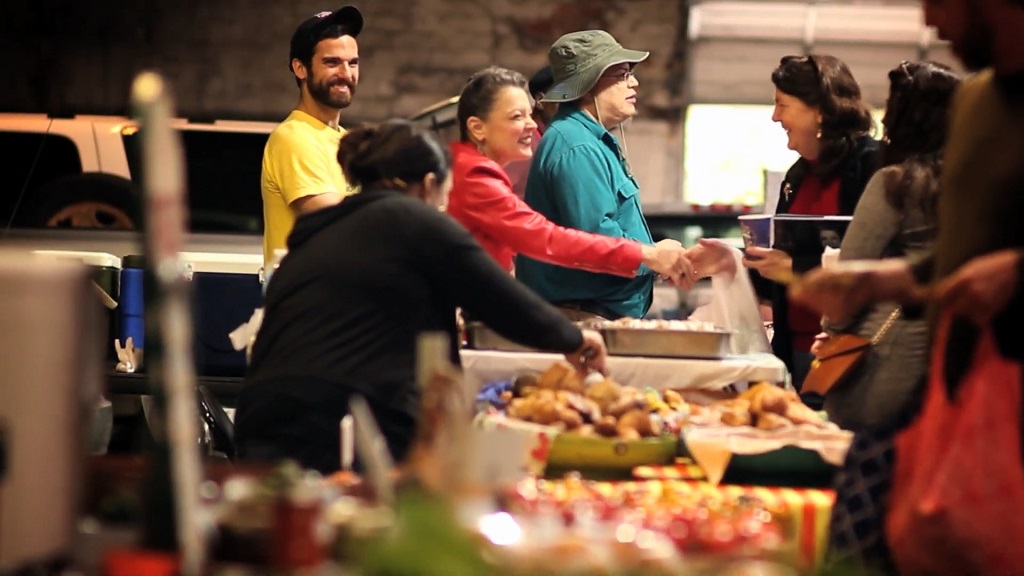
[489, 206]
[894, 280]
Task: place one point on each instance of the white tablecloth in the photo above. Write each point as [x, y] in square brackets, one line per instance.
[483, 366]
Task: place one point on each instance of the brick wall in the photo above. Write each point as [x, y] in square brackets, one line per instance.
[228, 58]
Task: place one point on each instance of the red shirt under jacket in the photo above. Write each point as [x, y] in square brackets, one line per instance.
[820, 199]
[482, 200]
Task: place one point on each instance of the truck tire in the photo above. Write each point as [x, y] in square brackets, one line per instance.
[90, 200]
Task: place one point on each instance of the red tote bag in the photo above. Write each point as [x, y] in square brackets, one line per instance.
[957, 500]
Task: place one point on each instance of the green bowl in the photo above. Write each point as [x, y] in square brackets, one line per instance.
[790, 466]
[572, 451]
[787, 466]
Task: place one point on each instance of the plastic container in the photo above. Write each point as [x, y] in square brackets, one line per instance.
[106, 273]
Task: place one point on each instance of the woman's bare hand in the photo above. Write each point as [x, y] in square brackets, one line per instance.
[981, 288]
[820, 341]
[668, 258]
[711, 257]
[772, 264]
[591, 356]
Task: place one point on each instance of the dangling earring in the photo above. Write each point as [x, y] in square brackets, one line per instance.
[819, 132]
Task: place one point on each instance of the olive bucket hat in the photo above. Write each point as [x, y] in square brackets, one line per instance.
[578, 59]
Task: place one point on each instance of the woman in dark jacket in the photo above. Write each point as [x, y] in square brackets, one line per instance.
[818, 103]
[361, 281]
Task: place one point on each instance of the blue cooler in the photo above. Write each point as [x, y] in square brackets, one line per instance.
[226, 290]
[131, 309]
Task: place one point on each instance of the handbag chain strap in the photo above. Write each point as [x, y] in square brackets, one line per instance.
[888, 324]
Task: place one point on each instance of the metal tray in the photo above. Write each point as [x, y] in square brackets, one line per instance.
[667, 343]
[480, 337]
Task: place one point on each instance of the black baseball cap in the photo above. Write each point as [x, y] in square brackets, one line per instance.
[307, 35]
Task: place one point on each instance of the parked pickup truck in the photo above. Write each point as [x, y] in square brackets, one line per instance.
[72, 183]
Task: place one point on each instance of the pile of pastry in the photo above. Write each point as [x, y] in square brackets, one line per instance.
[600, 407]
[768, 407]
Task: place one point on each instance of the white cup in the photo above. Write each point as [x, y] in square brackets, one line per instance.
[830, 257]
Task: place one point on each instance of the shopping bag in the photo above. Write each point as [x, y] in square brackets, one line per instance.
[957, 500]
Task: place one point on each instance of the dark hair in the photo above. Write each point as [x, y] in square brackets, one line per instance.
[825, 83]
[478, 95]
[390, 155]
[917, 111]
[916, 125]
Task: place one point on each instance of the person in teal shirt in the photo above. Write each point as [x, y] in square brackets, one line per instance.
[580, 177]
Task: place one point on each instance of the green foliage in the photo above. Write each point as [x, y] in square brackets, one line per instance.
[426, 541]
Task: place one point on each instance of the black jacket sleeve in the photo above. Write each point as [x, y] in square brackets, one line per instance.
[457, 265]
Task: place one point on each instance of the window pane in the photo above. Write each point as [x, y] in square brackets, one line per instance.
[223, 179]
[728, 150]
[30, 160]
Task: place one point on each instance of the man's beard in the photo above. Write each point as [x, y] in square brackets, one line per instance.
[321, 92]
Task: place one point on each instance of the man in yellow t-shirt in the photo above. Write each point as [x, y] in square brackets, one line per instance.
[301, 173]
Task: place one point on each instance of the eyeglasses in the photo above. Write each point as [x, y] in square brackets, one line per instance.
[904, 68]
[620, 76]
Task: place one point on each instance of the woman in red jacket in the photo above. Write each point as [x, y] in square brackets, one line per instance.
[496, 128]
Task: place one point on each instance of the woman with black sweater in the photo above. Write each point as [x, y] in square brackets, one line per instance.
[361, 281]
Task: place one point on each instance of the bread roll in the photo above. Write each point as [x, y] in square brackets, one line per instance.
[772, 421]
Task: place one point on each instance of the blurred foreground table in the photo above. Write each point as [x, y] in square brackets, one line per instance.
[808, 509]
